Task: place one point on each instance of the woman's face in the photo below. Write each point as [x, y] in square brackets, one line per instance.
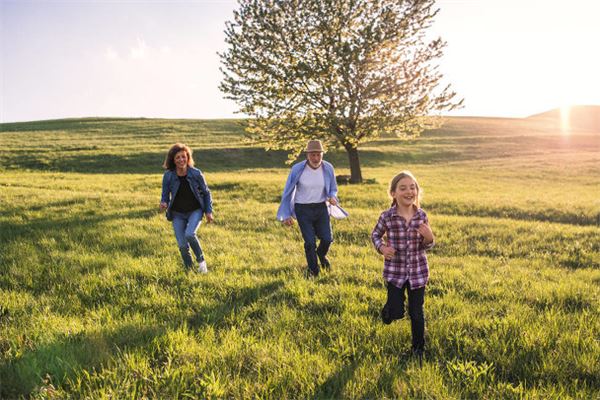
[181, 159]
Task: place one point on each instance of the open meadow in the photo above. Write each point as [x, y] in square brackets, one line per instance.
[94, 301]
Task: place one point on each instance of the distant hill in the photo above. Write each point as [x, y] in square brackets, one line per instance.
[579, 117]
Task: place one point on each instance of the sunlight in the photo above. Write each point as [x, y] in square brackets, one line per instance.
[565, 117]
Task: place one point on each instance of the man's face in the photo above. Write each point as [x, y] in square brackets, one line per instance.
[314, 158]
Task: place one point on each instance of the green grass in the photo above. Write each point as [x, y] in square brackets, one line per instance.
[94, 302]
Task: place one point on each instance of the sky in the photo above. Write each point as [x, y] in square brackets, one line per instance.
[158, 59]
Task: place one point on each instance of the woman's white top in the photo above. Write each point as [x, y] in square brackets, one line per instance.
[311, 186]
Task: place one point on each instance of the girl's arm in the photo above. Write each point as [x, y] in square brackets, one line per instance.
[377, 238]
[378, 232]
[428, 237]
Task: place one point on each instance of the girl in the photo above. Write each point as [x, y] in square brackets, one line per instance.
[405, 269]
[186, 198]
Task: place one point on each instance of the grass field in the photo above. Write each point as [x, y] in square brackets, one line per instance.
[94, 302]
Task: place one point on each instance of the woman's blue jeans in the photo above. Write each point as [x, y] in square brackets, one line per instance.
[185, 226]
[313, 220]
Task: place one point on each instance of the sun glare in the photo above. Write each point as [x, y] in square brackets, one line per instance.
[565, 119]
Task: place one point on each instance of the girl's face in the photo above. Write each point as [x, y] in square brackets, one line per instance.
[181, 159]
[406, 192]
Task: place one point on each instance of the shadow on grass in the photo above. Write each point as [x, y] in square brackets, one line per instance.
[550, 215]
[232, 303]
[68, 356]
[208, 160]
[64, 358]
[75, 231]
[333, 386]
[385, 382]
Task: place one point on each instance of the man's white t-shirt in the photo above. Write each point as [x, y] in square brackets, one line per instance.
[311, 186]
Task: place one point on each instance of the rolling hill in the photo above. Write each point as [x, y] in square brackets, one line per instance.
[575, 117]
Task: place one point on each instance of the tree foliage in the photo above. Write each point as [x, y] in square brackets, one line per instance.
[343, 71]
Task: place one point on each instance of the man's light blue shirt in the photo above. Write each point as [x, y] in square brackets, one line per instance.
[286, 208]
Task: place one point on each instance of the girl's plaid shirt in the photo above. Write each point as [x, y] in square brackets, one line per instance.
[409, 262]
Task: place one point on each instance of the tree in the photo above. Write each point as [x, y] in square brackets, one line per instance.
[343, 71]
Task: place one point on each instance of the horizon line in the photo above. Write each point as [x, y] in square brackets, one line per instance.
[243, 118]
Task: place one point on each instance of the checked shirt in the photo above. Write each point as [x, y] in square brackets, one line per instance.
[409, 262]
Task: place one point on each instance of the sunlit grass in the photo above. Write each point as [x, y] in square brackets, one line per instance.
[94, 302]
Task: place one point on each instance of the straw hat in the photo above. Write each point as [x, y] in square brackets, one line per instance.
[314, 146]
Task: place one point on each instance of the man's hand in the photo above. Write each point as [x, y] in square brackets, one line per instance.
[289, 221]
[332, 201]
[163, 206]
[210, 217]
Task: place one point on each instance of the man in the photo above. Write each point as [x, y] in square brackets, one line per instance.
[310, 184]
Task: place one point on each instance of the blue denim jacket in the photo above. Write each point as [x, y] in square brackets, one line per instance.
[170, 185]
[286, 208]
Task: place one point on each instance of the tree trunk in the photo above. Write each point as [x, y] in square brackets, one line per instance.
[355, 173]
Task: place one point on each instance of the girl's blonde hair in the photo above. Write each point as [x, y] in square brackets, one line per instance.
[398, 178]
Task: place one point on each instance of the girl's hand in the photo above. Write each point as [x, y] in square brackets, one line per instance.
[387, 251]
[163, 206]
[426, 232]
[210, 217]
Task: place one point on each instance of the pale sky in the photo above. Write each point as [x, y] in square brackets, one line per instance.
[59, 59]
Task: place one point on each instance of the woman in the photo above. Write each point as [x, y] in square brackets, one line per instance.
[186, 198]
[310, 185]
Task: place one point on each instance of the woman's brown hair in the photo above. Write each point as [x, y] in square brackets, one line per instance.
[170, 159]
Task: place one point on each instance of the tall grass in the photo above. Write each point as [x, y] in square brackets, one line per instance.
[94, 302]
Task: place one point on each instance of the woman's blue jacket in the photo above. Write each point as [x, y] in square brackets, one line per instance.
[170, 185]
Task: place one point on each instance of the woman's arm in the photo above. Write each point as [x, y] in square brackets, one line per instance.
[206, 195]
[165, 193]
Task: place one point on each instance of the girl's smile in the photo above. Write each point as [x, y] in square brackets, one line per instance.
[406, 192]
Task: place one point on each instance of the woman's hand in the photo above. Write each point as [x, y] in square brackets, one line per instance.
[163, 206]
[426, 232]
[210, 217]
[387, 251]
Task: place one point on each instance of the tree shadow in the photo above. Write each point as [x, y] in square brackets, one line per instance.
[142, 162]
[208, 160]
